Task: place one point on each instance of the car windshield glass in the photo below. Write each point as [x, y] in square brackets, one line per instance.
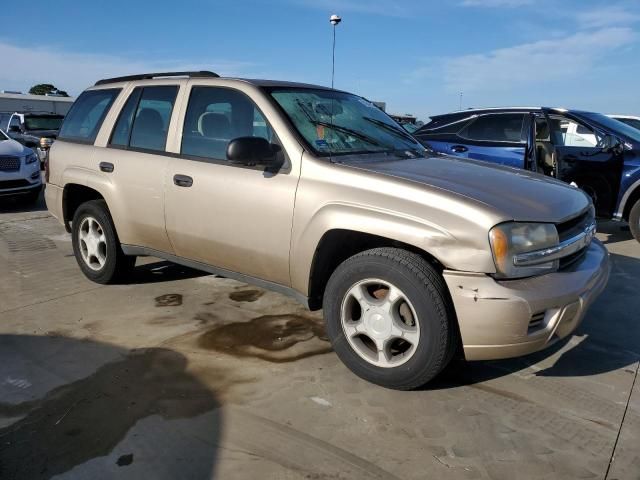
[615, 126]
[43, 122]
[3, 137]
[338, 123]
[634, 122]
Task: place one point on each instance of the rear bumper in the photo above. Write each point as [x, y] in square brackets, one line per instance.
[502, 319]
[53, 199]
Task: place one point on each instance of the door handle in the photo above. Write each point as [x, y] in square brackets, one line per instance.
[182, 180]
[106, 167]
[459, 149]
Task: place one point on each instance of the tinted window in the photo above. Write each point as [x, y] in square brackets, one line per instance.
[122, 130]
[504, 127]
[215, 116]
[87, 114]
[151, 121]
[630, 121]
[43, 122]
[4, 120]
[444, 126]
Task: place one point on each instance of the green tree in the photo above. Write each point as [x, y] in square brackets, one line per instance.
[46, 88]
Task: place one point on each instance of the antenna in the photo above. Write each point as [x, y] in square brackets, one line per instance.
[335, 20]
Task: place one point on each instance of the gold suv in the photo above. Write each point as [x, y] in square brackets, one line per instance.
[317, 193]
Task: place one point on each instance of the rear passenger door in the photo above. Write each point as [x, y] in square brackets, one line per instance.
[231, 216]
[134, 165]
[496, 137]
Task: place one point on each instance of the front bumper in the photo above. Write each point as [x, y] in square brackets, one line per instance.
[502, 319]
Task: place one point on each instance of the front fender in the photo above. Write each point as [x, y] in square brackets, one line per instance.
[460, 250]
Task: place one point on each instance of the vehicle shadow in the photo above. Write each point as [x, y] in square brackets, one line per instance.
[615, 231]
[103, 411]
[20, 205]
[161, 271]
[610, 338]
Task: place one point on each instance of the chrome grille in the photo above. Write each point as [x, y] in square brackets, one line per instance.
[9, 164]
[575, 226]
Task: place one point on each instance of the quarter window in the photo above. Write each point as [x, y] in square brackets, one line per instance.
[85, 118]
[215, 116]
[504, 127]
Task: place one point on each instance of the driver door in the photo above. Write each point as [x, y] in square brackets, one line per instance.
[581, 157]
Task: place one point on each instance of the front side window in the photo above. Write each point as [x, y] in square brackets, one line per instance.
[215, 116]
[85, 118]
[504, 127]
[566, 132]
[339, 123]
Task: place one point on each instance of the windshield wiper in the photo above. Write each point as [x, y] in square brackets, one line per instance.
[355, 133]
[391, 128]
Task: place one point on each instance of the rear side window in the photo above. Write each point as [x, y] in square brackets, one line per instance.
[144, 121]
[504, 127]
[85, 118]
[215, 116]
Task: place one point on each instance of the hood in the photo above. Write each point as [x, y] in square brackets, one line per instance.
[14, 149]
[513, 193]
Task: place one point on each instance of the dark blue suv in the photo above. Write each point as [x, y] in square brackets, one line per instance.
[595, 152]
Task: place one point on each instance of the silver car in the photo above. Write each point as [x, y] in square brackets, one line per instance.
[19, 171]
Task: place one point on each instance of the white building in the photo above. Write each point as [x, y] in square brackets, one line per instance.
[19, 102]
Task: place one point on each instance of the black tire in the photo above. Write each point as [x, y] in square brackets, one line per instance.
[425, 289]
[117, 265]
[634, 221]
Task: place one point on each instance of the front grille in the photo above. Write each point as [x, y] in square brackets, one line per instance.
[569, 260]
[575, 226]
[14, 184]
[9, 164]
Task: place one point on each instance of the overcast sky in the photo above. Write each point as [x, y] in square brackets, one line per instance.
[416, 55]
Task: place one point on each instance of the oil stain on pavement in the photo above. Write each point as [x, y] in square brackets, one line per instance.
[246, 295]
[87, 418]
[169, 300]
[275, 338]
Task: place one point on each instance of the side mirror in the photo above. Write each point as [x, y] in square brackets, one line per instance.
[14, 129]
[610, 143]
[251, 151]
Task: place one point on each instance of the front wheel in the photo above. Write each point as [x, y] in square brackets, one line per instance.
[390, 319]
[96, 246]
[634, 221]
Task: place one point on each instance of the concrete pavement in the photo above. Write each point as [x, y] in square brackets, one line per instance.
[180, 374]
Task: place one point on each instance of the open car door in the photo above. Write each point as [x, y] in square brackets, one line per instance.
[586, 157]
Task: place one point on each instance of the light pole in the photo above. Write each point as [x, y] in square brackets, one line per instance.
[335, 20]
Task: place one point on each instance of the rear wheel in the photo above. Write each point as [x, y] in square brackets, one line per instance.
[634, 221]
[96, 246]
[390, 319]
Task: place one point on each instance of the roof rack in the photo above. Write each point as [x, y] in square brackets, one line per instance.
[147, 76]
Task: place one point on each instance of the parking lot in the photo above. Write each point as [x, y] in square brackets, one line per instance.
[179, 374]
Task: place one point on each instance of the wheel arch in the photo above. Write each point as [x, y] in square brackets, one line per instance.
[339, 244]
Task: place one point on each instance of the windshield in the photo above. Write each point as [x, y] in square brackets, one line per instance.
[615, 126]
[634, 122]
[3, 137]
[43, 122]
[338, 123]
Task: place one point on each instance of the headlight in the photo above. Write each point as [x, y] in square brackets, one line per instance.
[511, 239]
[31, 158]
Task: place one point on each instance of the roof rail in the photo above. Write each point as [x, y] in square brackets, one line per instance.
[147, 76]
